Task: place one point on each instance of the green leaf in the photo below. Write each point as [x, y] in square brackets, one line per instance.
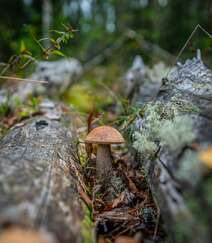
[22, 47]
[58, 53]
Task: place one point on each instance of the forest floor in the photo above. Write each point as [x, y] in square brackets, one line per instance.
[130, 210]
[125, 210]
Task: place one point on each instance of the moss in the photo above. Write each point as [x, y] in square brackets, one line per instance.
[177, 133]
[87, 227]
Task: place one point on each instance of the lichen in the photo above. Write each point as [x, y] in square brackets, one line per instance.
[202, 86]
[183, 105]
[145, 140]
[117, 186]
[177, 133]
[148, 214]
[143, 145]
[163, 125]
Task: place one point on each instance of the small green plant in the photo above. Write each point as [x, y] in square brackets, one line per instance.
[87, 227]
[4, 109]
[25, 57]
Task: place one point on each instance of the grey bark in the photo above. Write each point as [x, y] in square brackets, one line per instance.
[38, 179]
[184, 201]
[60, 75]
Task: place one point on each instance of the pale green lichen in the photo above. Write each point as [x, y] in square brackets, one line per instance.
[183, 105]
[143, 145]
[177, 133]
[163, 125]
[144, 141]
[202, 86]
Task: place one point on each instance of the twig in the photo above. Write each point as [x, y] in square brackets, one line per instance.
[157, 219]
[23, 79]
[186, 43]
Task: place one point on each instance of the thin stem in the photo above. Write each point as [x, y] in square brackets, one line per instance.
[23, 79]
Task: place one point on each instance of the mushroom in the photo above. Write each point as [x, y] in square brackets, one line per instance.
[104, 136]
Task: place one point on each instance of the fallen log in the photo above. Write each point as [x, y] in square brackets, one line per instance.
[167, 138]
[40, 174]
[60, 75]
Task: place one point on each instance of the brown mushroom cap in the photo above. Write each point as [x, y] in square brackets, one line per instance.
[104, 135]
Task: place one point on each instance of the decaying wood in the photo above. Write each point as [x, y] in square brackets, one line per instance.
[141, 83]
[184, 203]
[60, 75]
[39, 175]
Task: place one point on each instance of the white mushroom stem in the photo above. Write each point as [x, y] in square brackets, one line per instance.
[103, 161]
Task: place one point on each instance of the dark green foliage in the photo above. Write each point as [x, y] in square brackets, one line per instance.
[100, 23]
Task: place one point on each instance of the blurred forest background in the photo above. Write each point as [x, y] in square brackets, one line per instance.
[167, 23]
[121, 29]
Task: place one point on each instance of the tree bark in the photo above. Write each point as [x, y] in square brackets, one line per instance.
[39, 176]
[182, 195]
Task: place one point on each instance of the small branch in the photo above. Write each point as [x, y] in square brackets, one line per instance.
[198, 26]
[25, 80]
